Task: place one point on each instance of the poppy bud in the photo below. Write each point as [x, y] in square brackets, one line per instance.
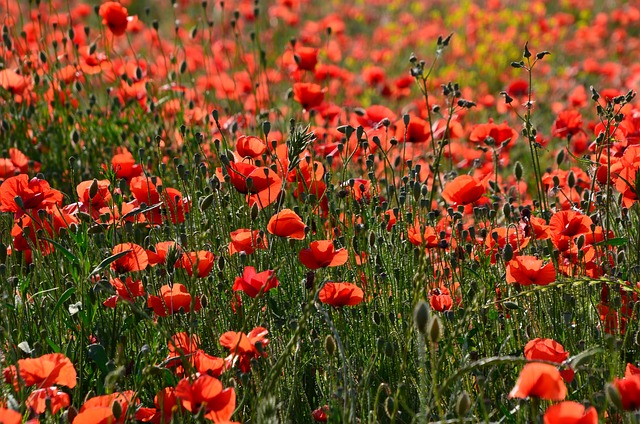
[116, 410]
[330, 345]
[613, 396]
[518, 170]
[434, 329]
[463, 404]
[421, 315]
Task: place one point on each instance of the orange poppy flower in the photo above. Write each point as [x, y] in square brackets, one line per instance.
[309, 95]
[322, 253]
[629, 390]
[245, 240]
[528, 270]
[540, 380]
[253, 283]
[493, 133]
[340, 294]
[164, 250]
[428, 236]
[38, 399]
[200, 262]
[11, 81]
[565, 225]
[114, 16]
[9, 416]
[206, 392]
[22, 162]
[172, 300]
[463, 190]
[46, 371]
[287, 223]
[125, 291]
[33, 194]
[244, 347]
[250, 146]
[570, 412]
[208, 364]
[440, 299]
[99, 409]
[135, 260]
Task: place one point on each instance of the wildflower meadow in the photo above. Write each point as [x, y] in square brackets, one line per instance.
[298, 211]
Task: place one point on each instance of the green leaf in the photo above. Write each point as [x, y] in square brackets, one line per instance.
[65, 296]
[617, 241]
[99, 356]
[102, 265]
[67, 254]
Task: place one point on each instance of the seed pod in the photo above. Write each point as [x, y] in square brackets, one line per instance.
[330, 345]
[421, 315]
[434, 329]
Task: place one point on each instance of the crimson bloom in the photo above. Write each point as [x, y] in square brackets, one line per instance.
[114, 16]
[244, 347]
[253, 283]
[341, 294]
[135, 259]
[629, 390]
[322, 253]
[491, 133]
[245, 240]
[9, 416]
[172, 300]
[165, 403]
[46, 371]
[125, 291]
[540, 380]
[548, 350]
[200, 263]
[206, 392]
[19, 194]
[38, 399]
[309, 95]
[287, 223]
[100, 409]
[250, 146]
[569, 412]
[463, 190]
[528, 270]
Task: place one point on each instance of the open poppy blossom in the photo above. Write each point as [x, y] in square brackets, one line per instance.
[493, 134]
[124, 164]
[250, 146]
[629, 390]
[463, 190]
[308, 94]
[48, 370]
[548, 350]
[166, 403]
[94, 193]
[100, 409]
[166, 252]
[340, 294]
[243, 347]
[20, 194]
[540, 380]
[528, 270]
[114, 16]
[38, 399]
[287, 223]
[134, 260]
[125, 291]
[253, 283]
[322, 253]
[200, 263]
[9, 416]
[570, 412]
[173, 300]
[206, 392]
[247, 241]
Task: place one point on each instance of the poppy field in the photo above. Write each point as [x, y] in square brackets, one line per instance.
[296, 211]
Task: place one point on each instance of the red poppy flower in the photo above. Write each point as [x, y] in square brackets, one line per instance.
[306, 58]
[208, 364]
[9, 416]
[565, 225]
[101, 196]
[417, 237]
[440, 299]
[250, 146]
[244, 347]
[245, 240]
[570, 412]
[201, 262]
[32, 194]
[114, 16]
[125, 291]
[124, 164]
[549, 350]
[7, 169]
[165, 403]
[206, 392]
[11, 81]
[491, 133]
[38, 399]
[568, 122]
[541, 380]
[629, 390]
[528, 270]
[320, 415]
[631, 370]
[46, 371]
[22, 162]
[99, 409]
[341, 294]
[253, 283]
[322, 253]
[418, 131]
[164, 250]
[135, 260]
[463, 190]
[287, 223]
[309, 95]
[172, 300]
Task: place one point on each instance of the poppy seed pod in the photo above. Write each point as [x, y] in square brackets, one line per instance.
[330, 345]
[463, 403]
[434, 329]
